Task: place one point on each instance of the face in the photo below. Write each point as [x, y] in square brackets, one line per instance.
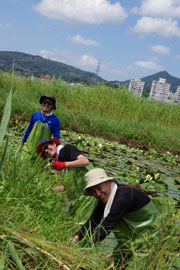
[50, 150]
[47, 105]
[102, 191]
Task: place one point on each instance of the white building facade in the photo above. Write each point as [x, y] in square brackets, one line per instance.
[136, 86]
[160, 90]
[177, 94]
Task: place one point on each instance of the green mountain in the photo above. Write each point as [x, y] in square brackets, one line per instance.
[28, 65]
[175, 82]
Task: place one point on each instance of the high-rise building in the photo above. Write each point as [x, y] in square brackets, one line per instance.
[172, 97]
[160, 90]
[177, 94]
[136, 86]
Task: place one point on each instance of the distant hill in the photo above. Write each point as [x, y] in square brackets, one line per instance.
[27, 64]
[175, 82]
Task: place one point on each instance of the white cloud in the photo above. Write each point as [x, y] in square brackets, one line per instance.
[88, 42]
[162, 27]
[107, 70]
[160, 8]
[150, 64]
[57, 55]
[82, 11]
[88, 61]
[44, 53]
[160, 49]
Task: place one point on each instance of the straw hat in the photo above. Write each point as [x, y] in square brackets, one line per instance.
[41, 147]
[93, 178]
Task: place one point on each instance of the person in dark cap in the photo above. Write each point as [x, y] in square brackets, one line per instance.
[67, 156]
[62, 156]
[43, 124]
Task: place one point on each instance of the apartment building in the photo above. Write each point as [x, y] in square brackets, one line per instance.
[177, 94]
[136, 86]
[160, 90]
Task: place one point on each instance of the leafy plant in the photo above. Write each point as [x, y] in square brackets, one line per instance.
[5, 121]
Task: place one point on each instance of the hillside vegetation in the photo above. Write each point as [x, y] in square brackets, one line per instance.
[28, 65]
[99, 110]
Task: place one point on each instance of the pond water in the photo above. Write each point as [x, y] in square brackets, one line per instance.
[154, 171]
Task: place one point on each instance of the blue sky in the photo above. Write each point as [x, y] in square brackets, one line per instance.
[126, 38]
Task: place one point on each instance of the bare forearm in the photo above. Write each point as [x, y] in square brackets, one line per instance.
[81, 161]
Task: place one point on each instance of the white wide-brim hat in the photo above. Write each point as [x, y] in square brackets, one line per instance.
[93, 178]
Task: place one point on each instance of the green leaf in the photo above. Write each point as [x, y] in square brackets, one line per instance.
[15, 255]
[5, 120]
[4, 154]
[6, 117]
[2, 262]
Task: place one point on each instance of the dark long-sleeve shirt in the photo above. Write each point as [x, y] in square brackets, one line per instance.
[127, 199]
[69, 153]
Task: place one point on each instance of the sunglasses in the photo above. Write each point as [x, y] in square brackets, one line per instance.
[43, 149]
[47, 103]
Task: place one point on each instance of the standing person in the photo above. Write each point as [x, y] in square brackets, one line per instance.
[123, 209]
[43, 124]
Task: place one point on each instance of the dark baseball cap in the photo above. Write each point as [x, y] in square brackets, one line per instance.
[49, 97]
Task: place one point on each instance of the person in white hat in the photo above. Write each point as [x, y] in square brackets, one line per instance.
[123, 209]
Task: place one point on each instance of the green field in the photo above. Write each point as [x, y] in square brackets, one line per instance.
[37, 223]
[99, 111]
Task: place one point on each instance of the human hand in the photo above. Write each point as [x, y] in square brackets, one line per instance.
[74, 240]
[57, 165]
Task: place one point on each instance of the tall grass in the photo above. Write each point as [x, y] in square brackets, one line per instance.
[99, 110]
[36, 227]
[5, 122]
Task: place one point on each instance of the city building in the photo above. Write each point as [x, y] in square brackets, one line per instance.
[136, 86]
[160, 90]
[172, 97]
[177, 94]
